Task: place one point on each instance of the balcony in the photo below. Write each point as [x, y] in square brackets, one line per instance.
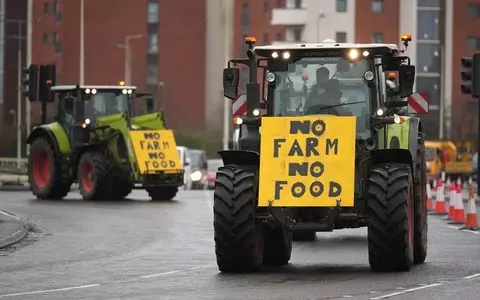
[289, 16]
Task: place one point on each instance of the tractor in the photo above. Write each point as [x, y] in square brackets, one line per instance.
[339, 145]
[96, 142]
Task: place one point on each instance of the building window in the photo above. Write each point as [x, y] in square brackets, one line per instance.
[298, 3]
[428, 58]
[265, 7]
[377, 37]
[57, 12]
[152, 43]
[473, 10]
[278, 36]
[46, 9]
[341, 5]
[152, 74]
[153, 12]
[473, 43]
[297, 34]
[377, 6]
[58, 47]
[428, 25]
[341, 37]
[46, 38]
[265, 39]
[245, 17]
[429, 3]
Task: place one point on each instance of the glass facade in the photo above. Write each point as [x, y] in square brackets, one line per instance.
[153, 41]
[429, 59]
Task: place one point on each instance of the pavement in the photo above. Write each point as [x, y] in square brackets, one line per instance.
[12, 229]
[139, 249]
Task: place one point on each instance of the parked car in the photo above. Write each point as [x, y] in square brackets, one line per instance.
[199, 169]
[213, 165]
[185, 160]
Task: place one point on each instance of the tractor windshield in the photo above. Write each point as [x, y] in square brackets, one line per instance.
[326, 85]
[105, 103]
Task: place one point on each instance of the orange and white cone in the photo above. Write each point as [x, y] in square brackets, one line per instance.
[449, 182]
[471, 222]
[459, 213]
[434, 184]
[452, 200]
[440, 208]
[429, 198]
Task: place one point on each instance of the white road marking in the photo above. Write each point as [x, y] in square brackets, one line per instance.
[464, 230]
[406, 291]
[472, 276]
[51, 291]
[174, 272]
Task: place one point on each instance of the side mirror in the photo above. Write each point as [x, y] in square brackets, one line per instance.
[406, 80]
[230, 82]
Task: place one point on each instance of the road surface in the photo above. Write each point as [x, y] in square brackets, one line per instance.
[137, 249]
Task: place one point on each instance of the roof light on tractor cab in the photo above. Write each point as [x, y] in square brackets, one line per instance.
[275, 54]
[237, 121]
[366, 53]
[353, 54]
[286, 55]
[122, 83]
[380, 112]
[250, 39]
[406, 37]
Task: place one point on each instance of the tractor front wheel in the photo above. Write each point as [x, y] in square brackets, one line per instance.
[162, 193]
[45, 172]
[304, 236]
[390, 217]
[237, 233]
[92, 173]
[421, 213]
[277, 246]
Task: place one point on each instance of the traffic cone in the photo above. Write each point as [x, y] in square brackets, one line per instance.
[429, 198]
[434, 184]
[449, 182]
[459, 213]
[472, 220]
[451, 202]
[440, 208]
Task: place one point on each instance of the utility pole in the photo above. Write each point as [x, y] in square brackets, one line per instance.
[226, 12]
[28, 62]
[82, 43]
[128, 56]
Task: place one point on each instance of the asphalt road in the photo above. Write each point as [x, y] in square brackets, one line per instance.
[137, 249]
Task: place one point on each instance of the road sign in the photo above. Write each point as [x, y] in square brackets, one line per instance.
[239, 106]
[418, 103]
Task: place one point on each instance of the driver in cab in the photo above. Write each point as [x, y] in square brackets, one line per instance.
[325, 95]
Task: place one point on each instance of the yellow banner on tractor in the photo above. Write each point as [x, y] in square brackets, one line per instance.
[307, 161]
[155, 150]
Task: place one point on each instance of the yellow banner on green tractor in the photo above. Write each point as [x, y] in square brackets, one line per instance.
[155, 150]
[307, 161]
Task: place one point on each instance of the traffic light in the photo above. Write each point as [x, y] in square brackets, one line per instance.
[471, 75]
[46, 81]
[30, 82]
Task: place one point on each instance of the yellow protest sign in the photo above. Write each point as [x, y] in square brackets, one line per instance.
[307, 161]
[155, 150]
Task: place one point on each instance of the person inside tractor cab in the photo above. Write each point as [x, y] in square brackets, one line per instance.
[332, 95]
[69, 100]
[111, 106]
[320, 87]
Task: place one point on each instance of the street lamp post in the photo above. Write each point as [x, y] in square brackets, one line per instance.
[128, 56]
[82, 43]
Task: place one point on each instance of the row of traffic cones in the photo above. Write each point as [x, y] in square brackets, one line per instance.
[456, 209]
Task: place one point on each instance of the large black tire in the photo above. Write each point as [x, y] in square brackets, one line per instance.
[421, 212]
[94, 182]
[45, 172]
[162, 193]
[304, 236]
[277, 246]
[123, 183]
[237, 233]
[390, 218]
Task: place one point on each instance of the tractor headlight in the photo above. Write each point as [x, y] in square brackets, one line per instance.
[368, 76]
[87, 121]
[275, 54]
[286, 55]
[353, 54]
[256, 112]
[196, 176]
[380, 112]
[270, 77]
[124, 91]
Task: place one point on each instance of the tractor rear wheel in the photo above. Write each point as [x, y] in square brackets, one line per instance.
[277, 246]
[92, 173]
[45, 172]
[421, 213]
[304, 236]
[237, 233]
[162, 193]
[390, 217]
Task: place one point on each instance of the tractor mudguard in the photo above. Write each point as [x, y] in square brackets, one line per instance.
[151, 121]
[55, 134]
[400, 136]
[240, 157]
[391, 155]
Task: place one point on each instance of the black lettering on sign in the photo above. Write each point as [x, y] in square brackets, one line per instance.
[151, 135]
[316, 127]
[331, 144]
[335, 189]
[278, 188]
[166, 145]
[302, 169]
[277, 145]
[295, 149]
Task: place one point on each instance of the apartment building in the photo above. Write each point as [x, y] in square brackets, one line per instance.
[443, 31]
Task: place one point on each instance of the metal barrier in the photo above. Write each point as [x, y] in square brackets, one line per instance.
[13, 165]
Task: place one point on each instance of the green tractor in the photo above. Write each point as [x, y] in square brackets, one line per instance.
[339, 146]
[96, 142]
